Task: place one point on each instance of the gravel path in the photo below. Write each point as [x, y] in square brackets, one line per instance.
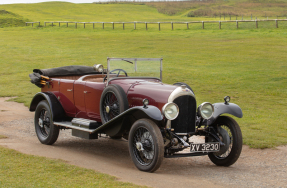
[255, 168]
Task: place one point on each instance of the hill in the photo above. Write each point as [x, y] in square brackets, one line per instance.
[149, 11]
[8, 19]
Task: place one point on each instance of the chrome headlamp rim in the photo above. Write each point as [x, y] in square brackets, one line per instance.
[99, 67]
[200, 108]
[164, 108]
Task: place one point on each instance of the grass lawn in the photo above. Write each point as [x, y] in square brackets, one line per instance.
[21, 170]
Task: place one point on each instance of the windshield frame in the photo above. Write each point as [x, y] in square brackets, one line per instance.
[129, 60]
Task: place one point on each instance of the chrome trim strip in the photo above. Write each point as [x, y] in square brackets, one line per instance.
[179, 91]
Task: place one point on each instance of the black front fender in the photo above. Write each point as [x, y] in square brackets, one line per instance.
[222, 108]
[124, 121]
[57, 110]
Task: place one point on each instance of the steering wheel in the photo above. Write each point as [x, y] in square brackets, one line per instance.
[119, 71]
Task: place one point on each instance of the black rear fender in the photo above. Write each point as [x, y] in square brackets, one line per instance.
[222, 108]
[57, 110]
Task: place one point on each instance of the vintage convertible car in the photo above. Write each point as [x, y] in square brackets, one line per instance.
[157, 119]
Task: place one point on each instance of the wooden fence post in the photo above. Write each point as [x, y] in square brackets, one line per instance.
[103, 25]
[202, 24]
[76, 25]
[44, 24]
[276, 23]
[219, 24]
[145, 26]
[187, 26]
[135, 26]
[26, 23]
[159, 26]
[67, 24]
[52, 24]
[93, 25]
[256, 24]
[123, 25]
[59, 24]
[113, 25]
[171, 26]
[236, 24]
[32, 24]
[39, 24]
[84, 25]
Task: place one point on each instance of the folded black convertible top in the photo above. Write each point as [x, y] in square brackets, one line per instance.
[39, 77]
[74, 70]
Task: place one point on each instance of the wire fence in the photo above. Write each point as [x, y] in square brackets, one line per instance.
[222, 24]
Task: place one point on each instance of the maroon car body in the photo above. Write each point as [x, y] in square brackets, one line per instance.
[157, 119]
[80, 96]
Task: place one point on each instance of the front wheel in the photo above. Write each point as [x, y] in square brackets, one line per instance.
[230, 134]
[46, 131]
[146, 145]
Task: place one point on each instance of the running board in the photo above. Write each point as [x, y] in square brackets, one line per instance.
[81, 124]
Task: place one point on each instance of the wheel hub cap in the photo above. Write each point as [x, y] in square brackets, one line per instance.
[139, 146]
[107, 109]
[40, 122]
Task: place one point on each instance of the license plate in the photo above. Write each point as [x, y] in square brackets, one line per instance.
[205, 147]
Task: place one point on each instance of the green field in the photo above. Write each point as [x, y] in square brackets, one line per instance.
[248, 64]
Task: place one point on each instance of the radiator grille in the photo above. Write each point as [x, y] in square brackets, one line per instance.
[185, 122]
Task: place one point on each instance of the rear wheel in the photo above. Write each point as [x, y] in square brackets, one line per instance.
[46, 131]
[146, 145]
[230, 134]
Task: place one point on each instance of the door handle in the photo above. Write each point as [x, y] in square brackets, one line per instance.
[69, 90]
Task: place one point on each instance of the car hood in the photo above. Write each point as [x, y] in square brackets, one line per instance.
[155, 91]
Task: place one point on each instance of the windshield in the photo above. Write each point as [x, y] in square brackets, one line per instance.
[135, 67]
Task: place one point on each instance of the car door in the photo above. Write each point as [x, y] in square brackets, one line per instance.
[67, 96]
[93, 92]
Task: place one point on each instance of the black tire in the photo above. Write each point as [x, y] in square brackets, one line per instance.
[182, 83]
[147, 134]
[116, 99]
[230, 156]
[46, 131]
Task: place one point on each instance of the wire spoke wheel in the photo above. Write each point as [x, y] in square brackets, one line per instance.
[230, 137]
[146, 145]
[230, 134]
[44, 123]
[143, 146]
[110, 106]
[113, 102]
[46, 131]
